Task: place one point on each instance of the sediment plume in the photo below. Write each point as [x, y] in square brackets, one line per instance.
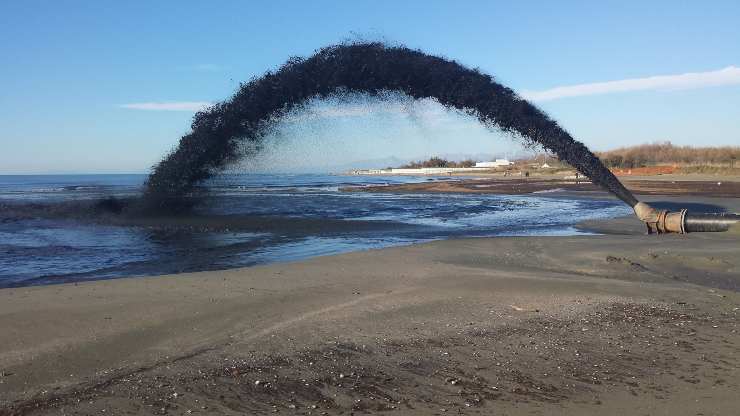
[368, 68]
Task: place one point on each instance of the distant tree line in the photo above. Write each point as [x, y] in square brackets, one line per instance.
[659, 153]
[438, 162]
[667, 153]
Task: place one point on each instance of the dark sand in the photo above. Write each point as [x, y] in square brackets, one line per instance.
[666, 185]
[623, 324]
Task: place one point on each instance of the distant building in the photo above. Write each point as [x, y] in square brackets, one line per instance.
[498, 163]
[480, 166]
[545, 166]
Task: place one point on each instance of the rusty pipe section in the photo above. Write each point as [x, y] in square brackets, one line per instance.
[661, 221]
[682, 222]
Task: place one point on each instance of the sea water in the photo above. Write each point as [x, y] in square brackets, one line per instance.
[37, 251]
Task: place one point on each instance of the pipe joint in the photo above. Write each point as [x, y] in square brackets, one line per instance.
[661, 221]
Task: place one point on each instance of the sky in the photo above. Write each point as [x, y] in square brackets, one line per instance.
[94, 87]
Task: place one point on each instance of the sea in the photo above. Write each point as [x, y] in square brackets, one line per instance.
[41, 250]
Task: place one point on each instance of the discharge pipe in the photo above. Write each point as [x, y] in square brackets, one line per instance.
[682, 222]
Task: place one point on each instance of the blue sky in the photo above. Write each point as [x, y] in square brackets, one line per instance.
[76, 75]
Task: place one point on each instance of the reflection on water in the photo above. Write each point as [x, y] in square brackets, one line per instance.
[42, 251]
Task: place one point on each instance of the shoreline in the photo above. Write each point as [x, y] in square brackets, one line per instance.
[551, 325]
[238, 240]
[665, 185]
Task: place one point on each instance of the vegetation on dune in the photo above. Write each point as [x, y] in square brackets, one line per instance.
[438, 162]
[662, 153]
[710, 170]
[658, 158]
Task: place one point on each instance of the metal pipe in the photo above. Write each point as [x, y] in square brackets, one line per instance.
[682, 222]
[695, 223]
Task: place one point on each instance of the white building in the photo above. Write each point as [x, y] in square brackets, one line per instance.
[479, 167]
[498, 163]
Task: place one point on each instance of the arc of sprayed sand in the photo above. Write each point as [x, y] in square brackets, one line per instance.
[368, 68]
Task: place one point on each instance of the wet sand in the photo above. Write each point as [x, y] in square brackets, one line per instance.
[666, 185]
[622, 323]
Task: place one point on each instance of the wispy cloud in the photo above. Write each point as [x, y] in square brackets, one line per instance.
[691, 80]
[726, 76]
[169, 106]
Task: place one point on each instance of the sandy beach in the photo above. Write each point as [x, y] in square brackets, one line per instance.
[621, 323]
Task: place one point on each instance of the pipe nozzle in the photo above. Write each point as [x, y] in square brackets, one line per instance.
[661, 221]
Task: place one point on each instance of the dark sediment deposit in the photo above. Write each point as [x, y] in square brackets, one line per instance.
[367, 68]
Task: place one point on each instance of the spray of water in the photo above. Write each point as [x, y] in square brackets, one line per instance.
[219, 133]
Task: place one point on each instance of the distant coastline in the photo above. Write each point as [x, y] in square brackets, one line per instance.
[419, 171]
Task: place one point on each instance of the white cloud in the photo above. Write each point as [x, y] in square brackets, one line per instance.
[169, 106]
[691, 80]
[726, 76]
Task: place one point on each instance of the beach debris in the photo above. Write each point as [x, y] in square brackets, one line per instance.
[624, 260]
[452, 380]
[519, 309]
